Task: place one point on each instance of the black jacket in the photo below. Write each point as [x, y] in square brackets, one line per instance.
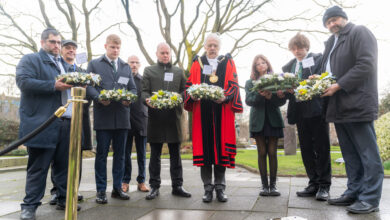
[354, 63]
[308, 109]
[138, 110]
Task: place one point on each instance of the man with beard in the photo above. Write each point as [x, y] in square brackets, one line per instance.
[41, 95]
[351, 55]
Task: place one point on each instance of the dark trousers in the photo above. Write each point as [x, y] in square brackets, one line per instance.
[39, 160]
[314, 142]
[362, 161]
[140, 145]
[206, 173]
[176, 168]
[104, 138]
[53, 190]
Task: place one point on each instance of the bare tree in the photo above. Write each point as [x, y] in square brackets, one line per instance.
[18, 39]
[233, 18]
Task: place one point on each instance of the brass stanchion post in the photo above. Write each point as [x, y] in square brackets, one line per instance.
[78, 95]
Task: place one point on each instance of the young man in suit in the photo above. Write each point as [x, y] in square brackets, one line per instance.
[111, 119]
[313, 130]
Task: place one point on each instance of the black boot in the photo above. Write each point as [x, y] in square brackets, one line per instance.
[221, 196]
[273, 191]
[265, 190]
[208, 196]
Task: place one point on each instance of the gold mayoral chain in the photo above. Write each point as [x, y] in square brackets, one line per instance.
[213, 78]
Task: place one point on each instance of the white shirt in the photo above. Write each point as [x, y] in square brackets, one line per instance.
[116, 62]
[213, 63]
[328, 69]
[297, 64]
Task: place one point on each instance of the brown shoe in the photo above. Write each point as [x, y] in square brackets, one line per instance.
[142, 187]
[125, 187]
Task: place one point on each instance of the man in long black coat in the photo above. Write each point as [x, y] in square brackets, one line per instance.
[351, 55]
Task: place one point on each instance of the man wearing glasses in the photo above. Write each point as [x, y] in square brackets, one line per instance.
[40, 97]
[138, 121]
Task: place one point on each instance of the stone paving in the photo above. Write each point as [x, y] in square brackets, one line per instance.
[242, 189]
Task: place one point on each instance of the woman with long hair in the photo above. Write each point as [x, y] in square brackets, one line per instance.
[265, 124]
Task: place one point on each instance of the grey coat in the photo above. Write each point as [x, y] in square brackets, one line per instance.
[164, 126]
[354, 63]
[115, 115]
[35, 76]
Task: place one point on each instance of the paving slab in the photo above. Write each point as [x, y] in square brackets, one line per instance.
[243, 189]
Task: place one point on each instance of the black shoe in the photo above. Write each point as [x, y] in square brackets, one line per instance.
[322, 194]
[361, 207]
[343, 200]
[309, 191]
[53, 199]
[80, 197]
[208, 196]
[264, 191]
[101, 197]
[119, 194]
[28, 214]
[273, 191]
[180, 191]
[154, 192]
[221, 196]
[61, 206]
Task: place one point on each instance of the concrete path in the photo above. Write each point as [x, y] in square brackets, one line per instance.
[242, 189]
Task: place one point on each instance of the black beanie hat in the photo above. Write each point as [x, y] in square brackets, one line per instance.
[333, 12]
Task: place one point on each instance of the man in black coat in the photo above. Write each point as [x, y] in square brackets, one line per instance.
[111, 119]
[313, 131]
[68, 53]
[351, 55]
[138, 132]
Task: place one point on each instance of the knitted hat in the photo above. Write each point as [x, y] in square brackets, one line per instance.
[333, 12]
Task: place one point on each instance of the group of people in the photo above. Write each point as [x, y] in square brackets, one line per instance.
[351, 103]
[351, 56]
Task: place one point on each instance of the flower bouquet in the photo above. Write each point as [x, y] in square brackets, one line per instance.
[117, 95]
[80, 79]
[274, 82]
[125, 95]
[165, 99]
[310, 88]
[205, 91]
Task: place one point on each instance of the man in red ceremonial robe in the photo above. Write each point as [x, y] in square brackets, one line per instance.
[213, 130]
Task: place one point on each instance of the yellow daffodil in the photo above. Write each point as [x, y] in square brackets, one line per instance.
[103, 92]
[160, 92]
[323, 75]
[302, 91]
[303, 83]
[154, 98]
[174, 98]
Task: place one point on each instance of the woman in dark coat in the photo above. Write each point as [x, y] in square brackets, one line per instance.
[265, 124]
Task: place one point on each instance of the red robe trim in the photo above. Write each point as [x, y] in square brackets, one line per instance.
[228, 133]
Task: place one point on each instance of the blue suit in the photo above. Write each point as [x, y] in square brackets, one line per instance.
[35, 76]
[111, 122]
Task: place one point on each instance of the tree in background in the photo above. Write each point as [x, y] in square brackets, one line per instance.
[184, 24]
